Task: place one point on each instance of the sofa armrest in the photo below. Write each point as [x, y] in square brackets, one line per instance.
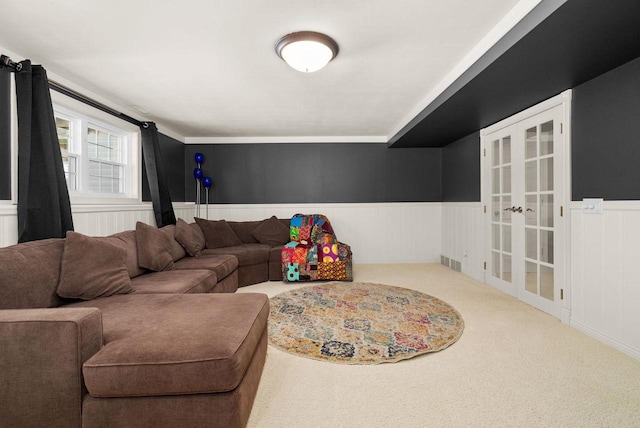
[41, 357]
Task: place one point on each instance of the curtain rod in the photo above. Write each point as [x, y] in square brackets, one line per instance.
[93, 103]
[7, 62]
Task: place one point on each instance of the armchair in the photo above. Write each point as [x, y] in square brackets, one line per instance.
[314, 253]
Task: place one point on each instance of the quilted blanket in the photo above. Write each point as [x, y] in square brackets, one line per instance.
[314, 253]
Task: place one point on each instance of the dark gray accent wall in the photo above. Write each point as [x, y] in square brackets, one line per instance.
[172, 152]
[5, 135]
[461, 170]
[316, 173]
[606, 136]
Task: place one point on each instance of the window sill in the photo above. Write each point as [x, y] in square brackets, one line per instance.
[89, 199]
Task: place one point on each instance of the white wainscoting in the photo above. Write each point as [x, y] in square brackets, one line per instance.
[463, 236]
[8, 225]
[605, 274]
[376, 232]
[95, 220]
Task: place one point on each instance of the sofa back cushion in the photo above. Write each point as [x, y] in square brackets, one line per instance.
[190, 237]
[128, 241]
[218, 234]
[29, 274]
[92, 268]
[154, 248]
[177, 251]
[243, 230]
[271, 232]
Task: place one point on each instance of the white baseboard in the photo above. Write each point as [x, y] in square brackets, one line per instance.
[632, 352]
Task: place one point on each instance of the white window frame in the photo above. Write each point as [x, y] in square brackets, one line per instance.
[83, 117]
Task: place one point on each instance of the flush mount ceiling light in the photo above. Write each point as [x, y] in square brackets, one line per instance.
[307, 51]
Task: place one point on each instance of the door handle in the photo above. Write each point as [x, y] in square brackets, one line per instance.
[514, 209]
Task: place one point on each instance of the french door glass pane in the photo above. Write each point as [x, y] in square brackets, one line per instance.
[546, 246]
[531, 243]
[506, 179]
[495, 153]
[495, 208]
[506, 267]
[546, 210]
[546, 174]
[495, 181]
[546, 282]
[531, 277]
[495, 236]
[506, 150]
[531, 211]
[531, 143]
[495, 264]
[506, 238]
[531, 176]
[546, 138]
[506, 214]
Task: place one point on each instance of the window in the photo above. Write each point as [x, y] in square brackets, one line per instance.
[69, 161]
[106, 167]
[97, 157]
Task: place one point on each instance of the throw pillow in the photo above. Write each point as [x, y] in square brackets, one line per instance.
[271, 232]
[92, 268]
[218, 234]
[189, 238]
[154, 248]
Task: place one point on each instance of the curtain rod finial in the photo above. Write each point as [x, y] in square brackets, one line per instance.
[6, 61]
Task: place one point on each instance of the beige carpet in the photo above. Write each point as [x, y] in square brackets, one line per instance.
[514, 366]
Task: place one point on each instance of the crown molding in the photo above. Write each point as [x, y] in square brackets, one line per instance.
[377, 139]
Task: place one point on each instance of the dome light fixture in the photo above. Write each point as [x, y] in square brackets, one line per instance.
[307, 51]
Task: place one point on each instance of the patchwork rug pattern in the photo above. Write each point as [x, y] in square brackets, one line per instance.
[361, 323]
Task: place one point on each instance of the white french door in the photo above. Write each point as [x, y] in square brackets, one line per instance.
[525, 192]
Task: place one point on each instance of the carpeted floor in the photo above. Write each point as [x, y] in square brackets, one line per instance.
[514, 366]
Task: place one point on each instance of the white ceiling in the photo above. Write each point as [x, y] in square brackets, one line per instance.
[207, 68]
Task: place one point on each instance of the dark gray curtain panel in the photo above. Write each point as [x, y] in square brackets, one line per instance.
[160, 198]
[44, 209]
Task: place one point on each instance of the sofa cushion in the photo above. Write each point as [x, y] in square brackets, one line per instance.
[218, 234]
[92, 268]
[271, 232]
[247, 254]
[221, 264]
[175, 282]
[128, 241]
[29, 274]
[177, 250]
[175, 344]
[243, 230]
[154, 248]
[190, 237]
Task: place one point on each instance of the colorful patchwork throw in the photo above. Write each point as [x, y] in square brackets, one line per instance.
[314, 253]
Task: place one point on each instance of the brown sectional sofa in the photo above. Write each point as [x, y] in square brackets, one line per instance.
[171, 347]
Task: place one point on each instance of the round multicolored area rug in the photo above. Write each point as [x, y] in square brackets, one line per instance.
[361, 323]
